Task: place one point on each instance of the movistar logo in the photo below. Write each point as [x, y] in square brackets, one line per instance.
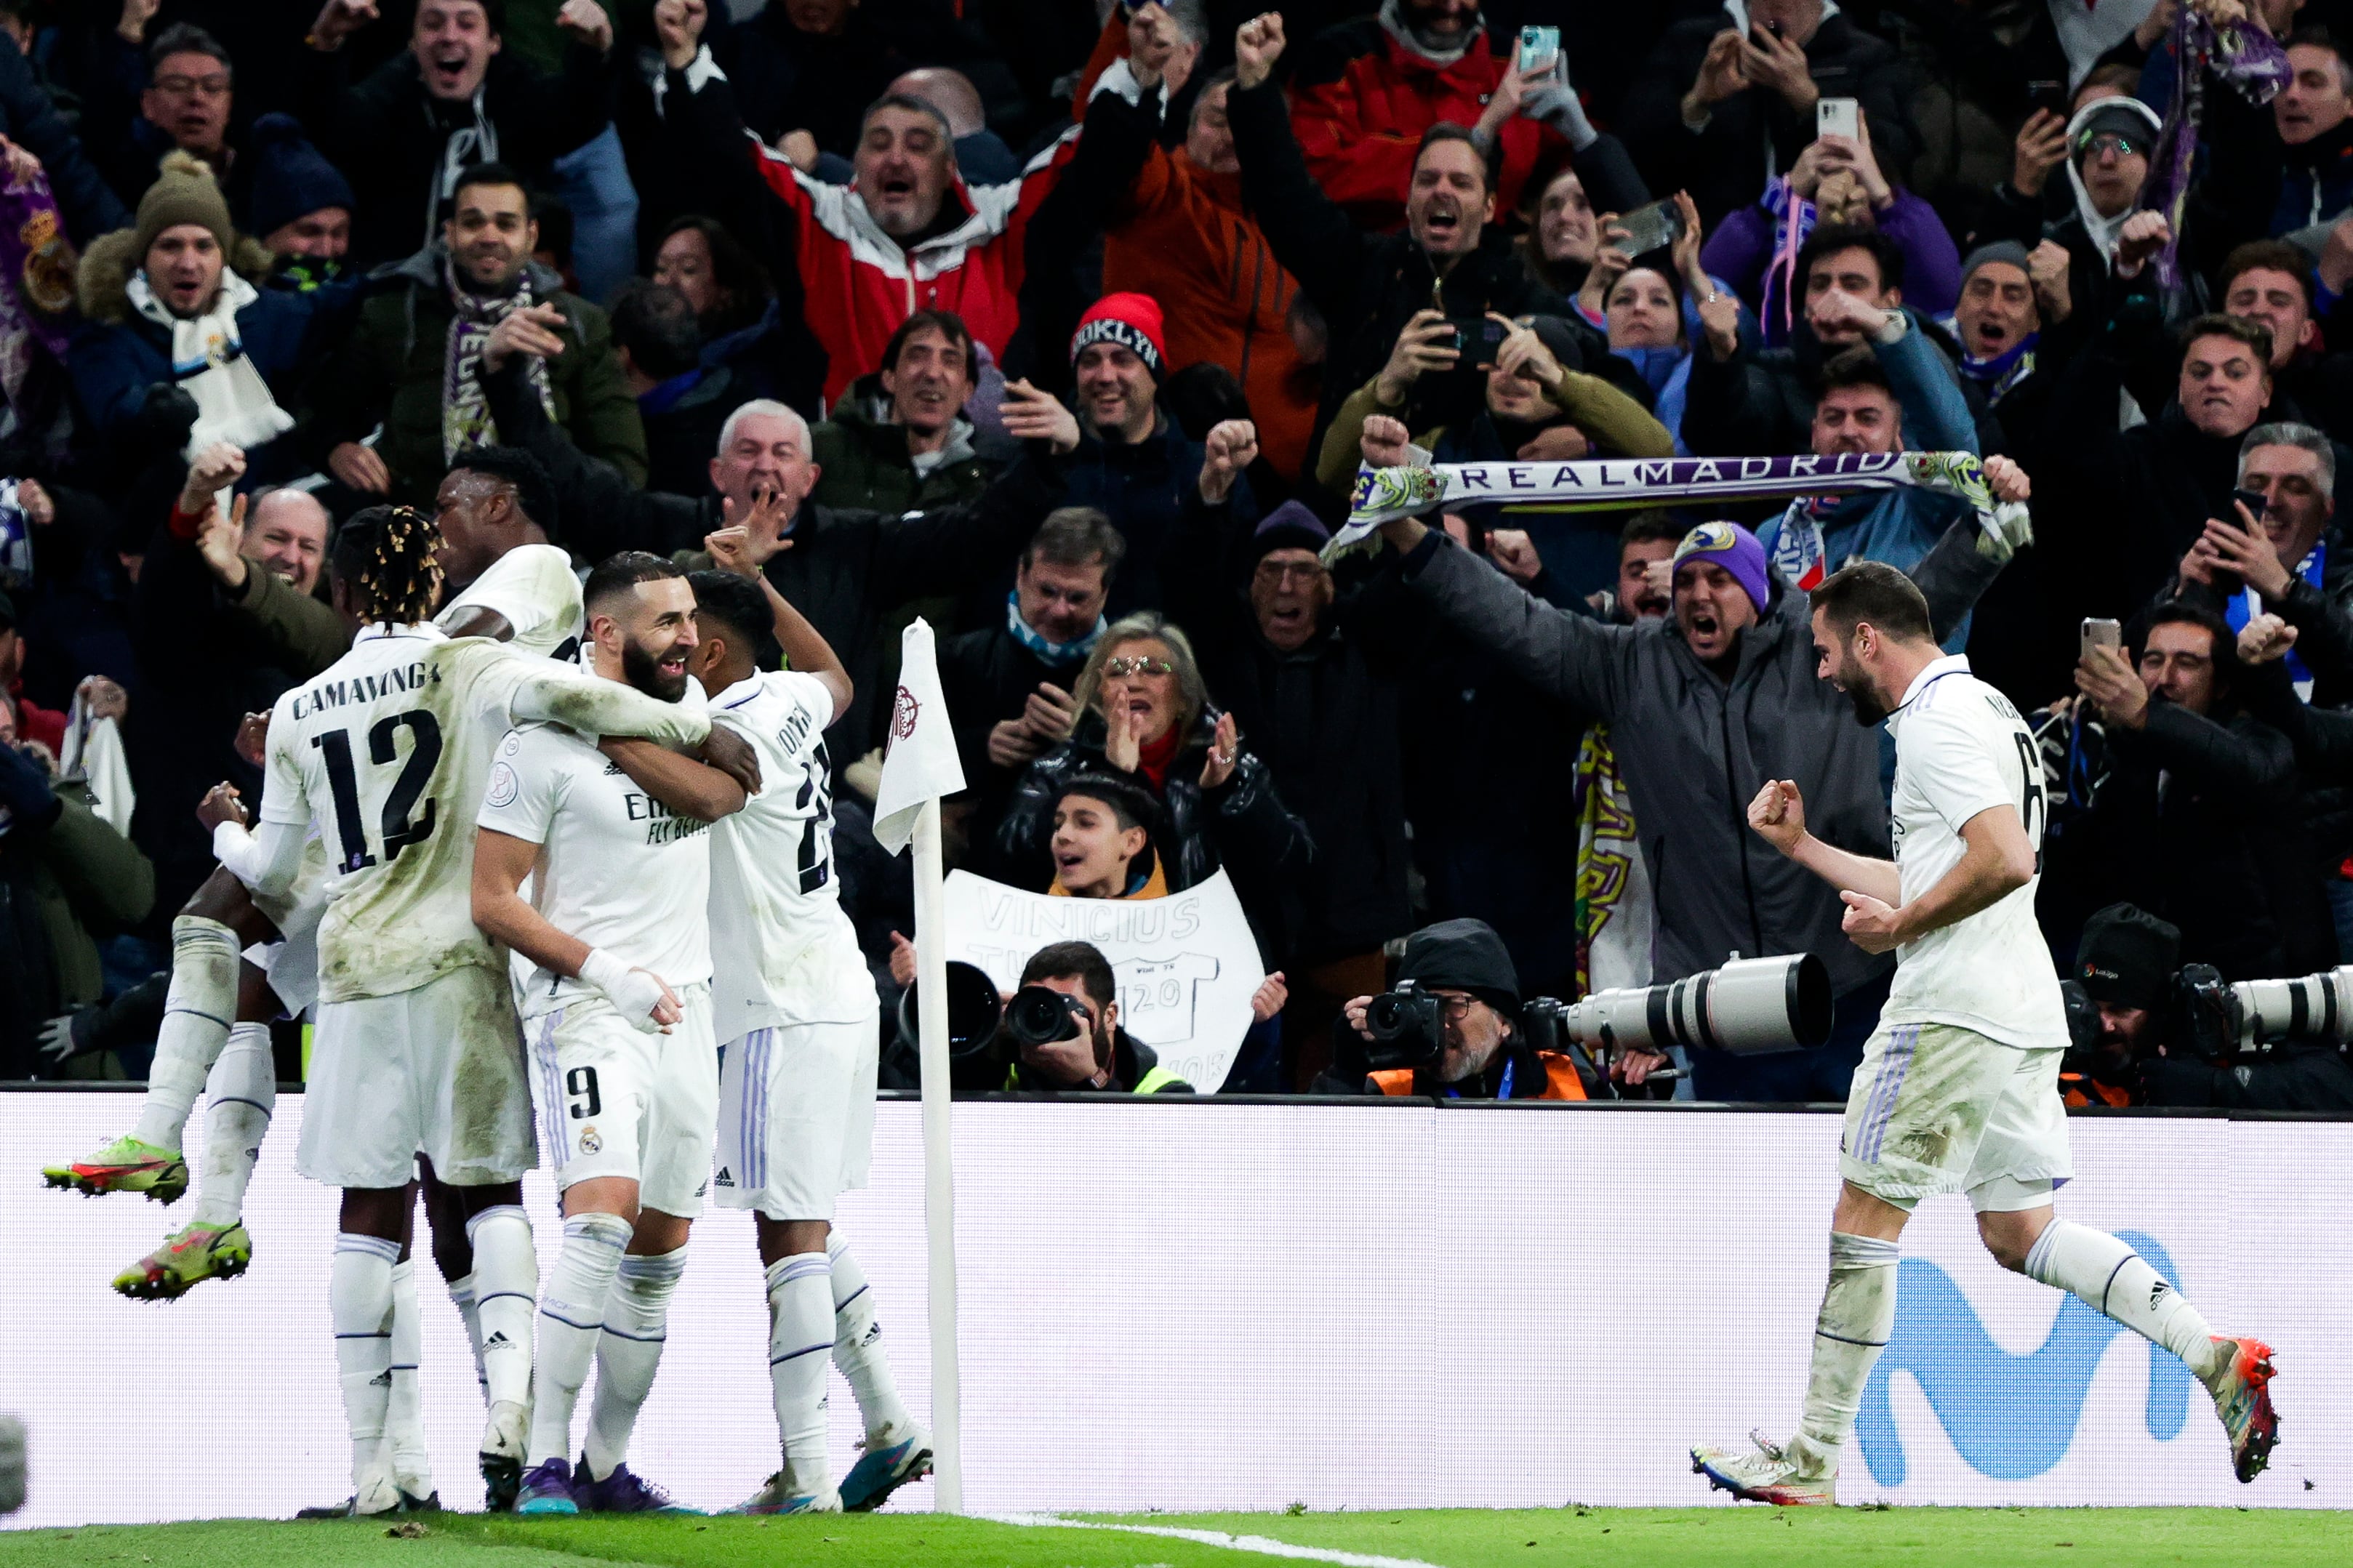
[2010, 1416]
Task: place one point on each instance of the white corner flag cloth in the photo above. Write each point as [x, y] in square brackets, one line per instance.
[920, 763]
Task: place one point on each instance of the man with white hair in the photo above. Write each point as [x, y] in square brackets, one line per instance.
[843, 569]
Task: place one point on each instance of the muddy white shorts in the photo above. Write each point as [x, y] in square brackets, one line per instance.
[435, 1072]
[1939, 1109]
[796, 1118]
[614, 1100]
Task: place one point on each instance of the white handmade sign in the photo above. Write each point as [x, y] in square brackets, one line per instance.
[1187, 964]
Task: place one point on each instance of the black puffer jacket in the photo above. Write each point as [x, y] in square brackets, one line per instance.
[1242, 825]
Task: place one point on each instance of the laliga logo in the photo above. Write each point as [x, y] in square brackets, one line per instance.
[2010, 1416]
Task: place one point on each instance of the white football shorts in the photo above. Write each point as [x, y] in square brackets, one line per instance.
[1939, 1109]
[614, 1100]
[437, 1071]
[796, 1118]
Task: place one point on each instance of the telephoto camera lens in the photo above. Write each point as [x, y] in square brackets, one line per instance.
[2310, 1007]
[1039, 1015]
[1750, 1005]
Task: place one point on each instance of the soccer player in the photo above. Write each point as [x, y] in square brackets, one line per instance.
[796, 1005]
[1959, 1087]
[616, 1006]
[416, 1051]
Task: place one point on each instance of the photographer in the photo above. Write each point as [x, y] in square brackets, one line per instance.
[2124, 967]
[1096, 1055]
[1467, 1037]
[2192, 1038]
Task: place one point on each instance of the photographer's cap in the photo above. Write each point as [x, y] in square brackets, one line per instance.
[1462, 955]
[2126, 957]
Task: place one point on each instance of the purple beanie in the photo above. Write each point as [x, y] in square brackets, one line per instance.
[1736, 550]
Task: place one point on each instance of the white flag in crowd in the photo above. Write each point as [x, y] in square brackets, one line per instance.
[921, 761]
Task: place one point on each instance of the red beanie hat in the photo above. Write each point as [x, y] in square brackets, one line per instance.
[1131, 321]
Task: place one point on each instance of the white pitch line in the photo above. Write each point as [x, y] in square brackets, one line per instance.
[1264, 1545]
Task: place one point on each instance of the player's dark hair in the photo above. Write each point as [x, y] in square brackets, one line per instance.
[621, 572]
[521, 472]
[1078, 961]
[1833, 238]
[384, 558]
[1077, 536]
[740, 608]
[1876, 593]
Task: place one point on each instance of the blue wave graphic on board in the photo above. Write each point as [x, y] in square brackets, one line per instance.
[2010, 1416]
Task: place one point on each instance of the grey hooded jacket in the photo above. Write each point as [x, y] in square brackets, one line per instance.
[1696, 748]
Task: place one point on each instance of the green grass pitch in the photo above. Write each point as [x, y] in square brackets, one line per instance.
[1535, 1538]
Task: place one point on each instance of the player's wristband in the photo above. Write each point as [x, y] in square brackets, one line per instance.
[605, 972]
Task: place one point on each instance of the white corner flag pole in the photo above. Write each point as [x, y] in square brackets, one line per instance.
[939, 1176]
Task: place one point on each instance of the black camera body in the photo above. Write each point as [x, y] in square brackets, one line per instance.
[1039, 1015]
[1408, 1027]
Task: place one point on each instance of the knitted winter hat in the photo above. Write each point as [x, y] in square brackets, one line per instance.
[2003, 250]
[1736, 550]
[1290, 526]
[185, 192]
[1131, 321]
[292, 179]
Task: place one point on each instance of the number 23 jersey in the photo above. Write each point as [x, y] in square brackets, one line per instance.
[1962, 749]
[784, 952]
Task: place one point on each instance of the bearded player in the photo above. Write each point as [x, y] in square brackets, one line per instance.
[415, 1052]
[616, 1004]
[796, 1005]
[1958, 1087]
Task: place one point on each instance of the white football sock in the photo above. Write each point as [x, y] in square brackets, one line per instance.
[571, 1315]
[858, 1350]
[1858, 1314]
[198, 1007]
[244, 1087]
[636, 1321]
[358, 1304]
[800, 1333]
[505, 1281]
[2111, 1277]
[461, 1296]
[404, 1414]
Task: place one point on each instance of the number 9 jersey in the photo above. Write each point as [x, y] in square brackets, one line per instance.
[1962, 749]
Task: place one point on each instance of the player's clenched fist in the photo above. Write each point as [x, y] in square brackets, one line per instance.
[1778, 815]
[640, 996]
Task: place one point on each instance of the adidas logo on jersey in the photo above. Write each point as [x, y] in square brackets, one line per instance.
[612, 770]
[498, 1337]
[724, 1179]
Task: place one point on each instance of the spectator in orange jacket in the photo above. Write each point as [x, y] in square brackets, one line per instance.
[1177, 231]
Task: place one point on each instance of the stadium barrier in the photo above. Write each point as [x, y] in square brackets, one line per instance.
[1223, 1304]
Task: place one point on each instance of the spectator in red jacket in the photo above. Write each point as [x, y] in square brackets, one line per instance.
[1366, 90]
[906, 235]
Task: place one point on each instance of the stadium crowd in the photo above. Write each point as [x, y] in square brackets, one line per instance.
[1067, 323]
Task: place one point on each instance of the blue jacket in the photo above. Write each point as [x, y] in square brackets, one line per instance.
[117, 354]
[1899, 527]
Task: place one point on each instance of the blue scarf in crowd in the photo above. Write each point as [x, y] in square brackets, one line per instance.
[2246, 604]
[2003, 371]
[1667, 372]
[1058, 654]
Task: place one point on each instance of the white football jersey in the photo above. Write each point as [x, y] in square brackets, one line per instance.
[784, 952]
[389, 749]
[1961, 749]
[534, 590]
[616, 868]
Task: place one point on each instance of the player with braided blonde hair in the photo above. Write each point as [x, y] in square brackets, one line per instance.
[416, 1051]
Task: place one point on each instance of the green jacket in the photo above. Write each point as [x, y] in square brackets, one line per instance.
[863, 464]
[389, 371]
[309, 628]
[92, 882]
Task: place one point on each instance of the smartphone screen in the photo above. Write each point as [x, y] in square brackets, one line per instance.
[1836, 117]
